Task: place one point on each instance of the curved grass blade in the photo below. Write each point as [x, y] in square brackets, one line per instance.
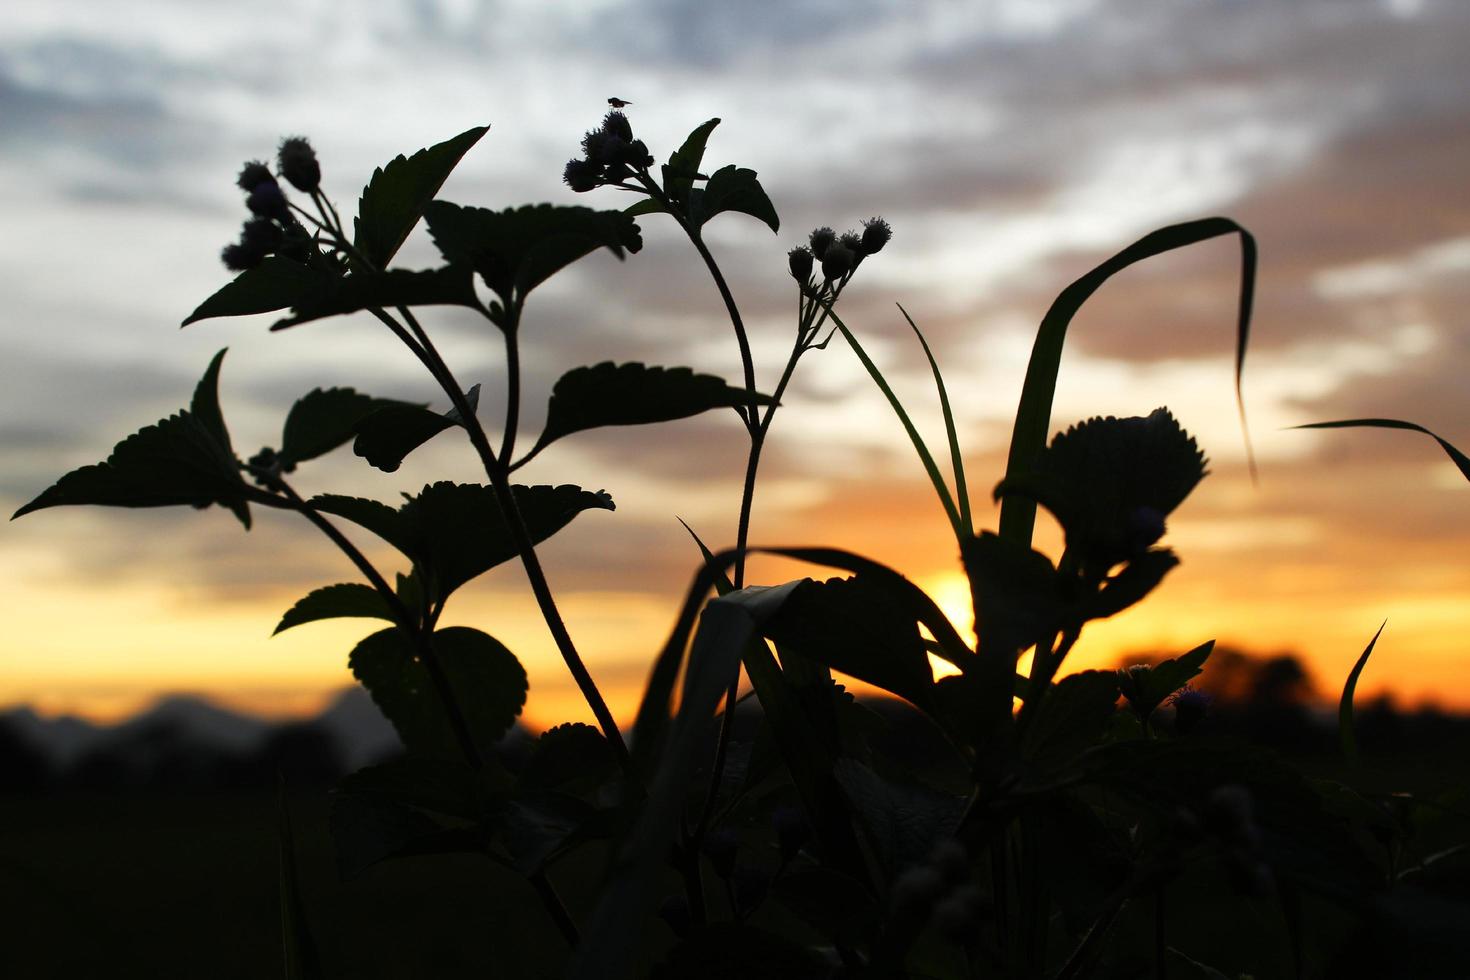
[1033, 415]
[1345, 735]
[961, 491]
[940, 487]
[1459, 458]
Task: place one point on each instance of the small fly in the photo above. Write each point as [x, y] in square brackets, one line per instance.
[617, 103]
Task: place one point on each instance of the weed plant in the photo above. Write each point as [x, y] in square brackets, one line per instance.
[1061, 825]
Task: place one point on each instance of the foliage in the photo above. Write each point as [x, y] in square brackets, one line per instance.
[1093, 831]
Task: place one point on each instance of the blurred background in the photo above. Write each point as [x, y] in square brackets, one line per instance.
[1012, 144]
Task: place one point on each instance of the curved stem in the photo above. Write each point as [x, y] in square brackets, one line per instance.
[512, 391]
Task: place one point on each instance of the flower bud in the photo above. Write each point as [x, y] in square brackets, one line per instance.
[838, 261]
[582, 175]
[262, 235]
[603, 147]
[876, 234]
[1190, 708]
[267, 201]
[851, 241]
[635, 154]
[820, 240]
[238, 258]
[296, 161]
[617, 124]
[252, 175]
[800, 260]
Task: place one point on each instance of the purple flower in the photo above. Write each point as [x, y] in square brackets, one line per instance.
[297, 163]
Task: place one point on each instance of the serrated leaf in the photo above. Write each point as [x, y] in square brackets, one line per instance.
[368, 829]
[324, 419]
[733, 188]
[449, 786]
[517, 249]
[275, 284]
[205, 404]
[450, 285]
[1130, 585]
[609, 394]
[347, 599]
[396, 196]
[458, 531]
[646, 206]
[487, 681]
[176, 461]
[384, 521]
[856, 626]
[385, 437]
[570, 758]
[683, 165]
[1111, 482]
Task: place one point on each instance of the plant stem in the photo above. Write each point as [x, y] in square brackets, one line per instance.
[499, 473]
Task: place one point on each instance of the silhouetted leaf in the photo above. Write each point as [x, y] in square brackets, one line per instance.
[1345, 736]
[903, 820]
[1033, 415]
[1072, 717]
[448, 785]
[275, 284]
[1460, 459]
[1111, 483]
[632, 394]
[205, 404]
[452, 285]
[322, 420]
[517, 249]
[1132, 582]
[368, 829]
[346, 599]
[540, 826]
[458, 531]
[377, 517]
[488, 682]
[572, 758]
[733, 189]
[679, 172]
[176, 461]
[1015, 592]
[856, 626]
[396, 196]
[1146, 686]
[388, 435]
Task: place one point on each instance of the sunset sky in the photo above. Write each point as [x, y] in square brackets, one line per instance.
[1012, 144]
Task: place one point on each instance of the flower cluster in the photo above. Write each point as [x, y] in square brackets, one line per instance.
[271, 228]
[839, 255]
[609, 154]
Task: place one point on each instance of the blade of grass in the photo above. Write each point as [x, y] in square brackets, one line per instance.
[924, 456]
[961, 491]
[1459, 458]
[302, 961]
[1033, 415]
[1345, 735]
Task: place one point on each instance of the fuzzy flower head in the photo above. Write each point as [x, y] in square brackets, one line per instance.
[297, 162]
[267, 201]
[582, 175]
[837, 261]
[252, 175]
[1191, 705]
[800, 261]
[820, 240]
[617, 124]
[851, 241]
[876, 234]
